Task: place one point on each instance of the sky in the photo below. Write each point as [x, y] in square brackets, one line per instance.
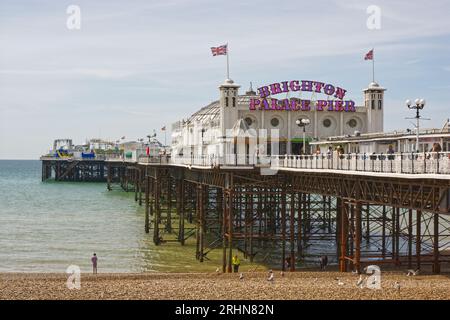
[135, 66]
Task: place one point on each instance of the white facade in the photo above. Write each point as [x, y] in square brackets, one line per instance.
[225, 126]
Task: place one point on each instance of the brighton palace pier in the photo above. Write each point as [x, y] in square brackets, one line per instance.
[242, 177]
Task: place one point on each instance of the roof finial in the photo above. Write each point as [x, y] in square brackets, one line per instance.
[250, 90]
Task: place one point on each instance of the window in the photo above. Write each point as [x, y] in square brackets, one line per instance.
[226, 101]
[234, 101]
[352, 123]
[373, 104]
[274, 122]
[379, 105]
[326, 123]
[248, 121]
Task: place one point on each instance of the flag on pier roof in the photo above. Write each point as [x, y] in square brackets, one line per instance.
[369, 55]
[218, 51]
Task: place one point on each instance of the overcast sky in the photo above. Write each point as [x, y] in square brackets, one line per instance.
[135, 66]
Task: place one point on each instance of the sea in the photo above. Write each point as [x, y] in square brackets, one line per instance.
[49, 226]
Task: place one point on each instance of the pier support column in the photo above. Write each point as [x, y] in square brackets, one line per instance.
[108, 176]
[343, 237]
[383, 233]
[147, 203]
[140, 181]
[410, 237]
[169, 205]
[135, 182]
[299, 225]
[225, 202]
[397, 235]
[418, 237]
[436, 264]
[358, 236]
[292, 232]
[180, 207]
[157, 216]
[230, 228]
[283, 229]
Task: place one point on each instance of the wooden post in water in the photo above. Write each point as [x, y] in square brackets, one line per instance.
[169, 205]
[157, 216]
[140, 181]
[147, 204]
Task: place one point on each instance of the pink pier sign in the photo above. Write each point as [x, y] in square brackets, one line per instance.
[265, 102]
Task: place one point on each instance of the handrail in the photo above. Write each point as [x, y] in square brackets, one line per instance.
[408, 163]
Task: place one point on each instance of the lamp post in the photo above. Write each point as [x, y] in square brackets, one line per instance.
[419, 105]
[303, 123]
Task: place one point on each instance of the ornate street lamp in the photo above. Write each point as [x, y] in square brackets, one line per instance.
[303, 123]
[419, 105]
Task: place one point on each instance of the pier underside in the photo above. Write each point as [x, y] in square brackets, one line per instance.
[287, 220]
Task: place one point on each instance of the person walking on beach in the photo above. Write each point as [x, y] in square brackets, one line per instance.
[236, 263]
[94, 263]
[323, 262]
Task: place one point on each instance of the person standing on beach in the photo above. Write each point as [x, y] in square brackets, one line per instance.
[94, 263]
[236, 263]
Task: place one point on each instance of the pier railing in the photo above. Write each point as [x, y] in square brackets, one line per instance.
[410, 163]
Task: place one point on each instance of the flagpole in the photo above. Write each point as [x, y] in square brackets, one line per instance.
[373, 65]
[228, 63]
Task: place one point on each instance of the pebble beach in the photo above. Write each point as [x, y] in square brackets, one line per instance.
[198, 286]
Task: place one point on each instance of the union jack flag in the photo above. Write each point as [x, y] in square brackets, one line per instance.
[217, 51]
[369, 55]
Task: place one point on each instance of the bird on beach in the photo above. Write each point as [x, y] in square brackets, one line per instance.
[217, 270]
[339, 281]
[412, 272]
[271, 276]
[397, 286]
[360, 282]
[241, 276]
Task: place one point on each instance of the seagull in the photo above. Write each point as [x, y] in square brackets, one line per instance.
[360, 281]
[270, 278]
[412, 272]
[355, 271]
[241, 276]
[282, 274]
[217, 270]
[397, 286]
[340, 283]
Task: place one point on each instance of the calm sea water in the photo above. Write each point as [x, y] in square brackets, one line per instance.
[47, 226]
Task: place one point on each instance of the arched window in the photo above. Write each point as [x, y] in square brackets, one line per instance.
[379, 104]
[226, 101]
[234, 101]
[373, 104]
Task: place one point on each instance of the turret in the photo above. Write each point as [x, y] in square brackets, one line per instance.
[374, 103]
